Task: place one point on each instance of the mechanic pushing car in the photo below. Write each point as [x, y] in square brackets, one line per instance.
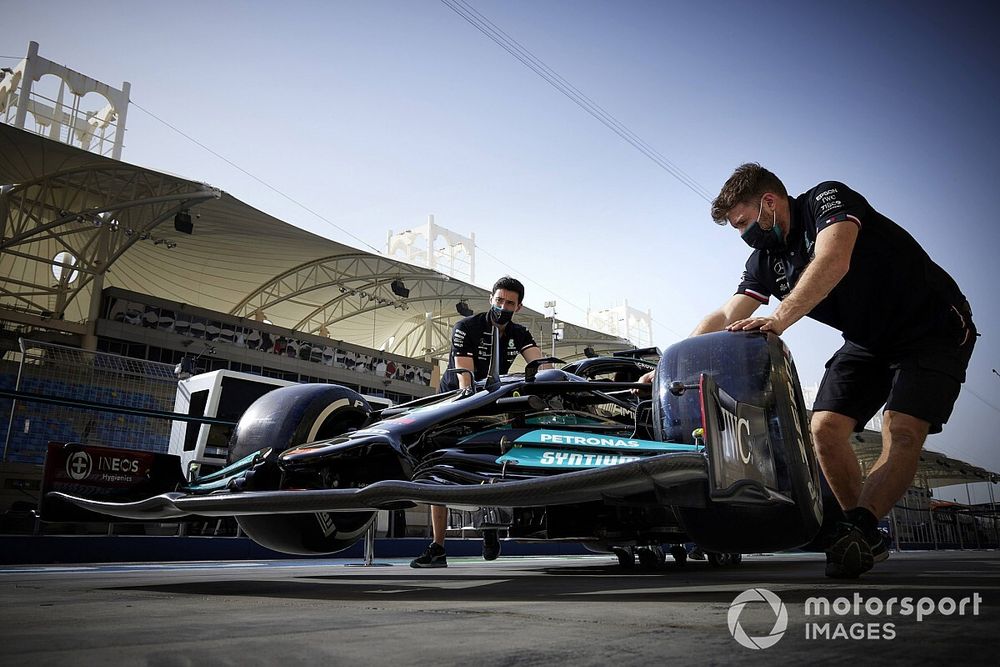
[908, 336]
[471, 350]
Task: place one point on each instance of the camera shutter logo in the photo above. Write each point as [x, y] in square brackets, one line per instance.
[79, 465]
[780, 618]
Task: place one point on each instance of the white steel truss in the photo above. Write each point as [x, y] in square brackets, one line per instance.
[88, 217]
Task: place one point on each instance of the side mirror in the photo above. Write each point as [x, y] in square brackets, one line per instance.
[531, 369]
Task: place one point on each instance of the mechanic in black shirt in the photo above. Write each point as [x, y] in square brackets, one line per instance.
[908, 335]
[472, 340]
[472, 350]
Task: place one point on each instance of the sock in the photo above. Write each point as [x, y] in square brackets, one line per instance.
[863, 519]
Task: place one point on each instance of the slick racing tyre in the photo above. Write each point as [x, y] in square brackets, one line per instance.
[756, 371]
[284, 418]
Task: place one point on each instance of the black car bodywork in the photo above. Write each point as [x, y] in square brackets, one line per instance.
[718, 454]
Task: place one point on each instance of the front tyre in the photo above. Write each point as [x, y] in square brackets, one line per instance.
[755, 369]
[282, 419]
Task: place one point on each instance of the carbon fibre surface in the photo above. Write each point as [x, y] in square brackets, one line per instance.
[621, 480]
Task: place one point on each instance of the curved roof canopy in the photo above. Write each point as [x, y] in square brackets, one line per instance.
[75, 223]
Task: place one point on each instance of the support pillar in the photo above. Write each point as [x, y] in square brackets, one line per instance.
[96, 288]
[930, 516]
[895, 528]
[121, 110]
[27, 79]
[993, 514]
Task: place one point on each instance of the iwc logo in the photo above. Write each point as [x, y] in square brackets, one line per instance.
[780, 618]
[79, 465]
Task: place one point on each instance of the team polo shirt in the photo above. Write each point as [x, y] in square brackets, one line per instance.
[473, 337]
[892, 288]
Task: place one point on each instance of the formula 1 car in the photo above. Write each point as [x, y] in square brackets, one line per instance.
[719, 455]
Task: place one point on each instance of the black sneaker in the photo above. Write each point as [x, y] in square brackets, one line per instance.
[879, 547]
[878, 541]
[491, 545]
[434, 556]
[850, 555]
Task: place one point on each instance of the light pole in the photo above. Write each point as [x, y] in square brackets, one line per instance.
[556, 327]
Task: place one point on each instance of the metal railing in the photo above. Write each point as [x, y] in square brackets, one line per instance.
[88, 397]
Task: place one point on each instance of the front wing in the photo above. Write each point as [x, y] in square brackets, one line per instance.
[653, 474]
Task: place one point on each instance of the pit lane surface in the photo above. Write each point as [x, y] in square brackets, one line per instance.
[514, 610]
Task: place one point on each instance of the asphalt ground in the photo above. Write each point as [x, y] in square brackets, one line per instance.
[581, 610]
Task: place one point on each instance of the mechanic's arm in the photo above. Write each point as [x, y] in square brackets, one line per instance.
[532, 353]
[738, 307]
[465, 379]
[834, 246]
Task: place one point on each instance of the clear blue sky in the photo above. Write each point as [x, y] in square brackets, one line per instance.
[378, 113]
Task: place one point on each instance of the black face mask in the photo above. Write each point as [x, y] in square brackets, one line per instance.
[763, 239]
[498, 316]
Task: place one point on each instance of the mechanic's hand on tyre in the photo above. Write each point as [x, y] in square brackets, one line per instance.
[762, 323]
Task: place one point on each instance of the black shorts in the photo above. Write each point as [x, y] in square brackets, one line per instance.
[920, 378]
